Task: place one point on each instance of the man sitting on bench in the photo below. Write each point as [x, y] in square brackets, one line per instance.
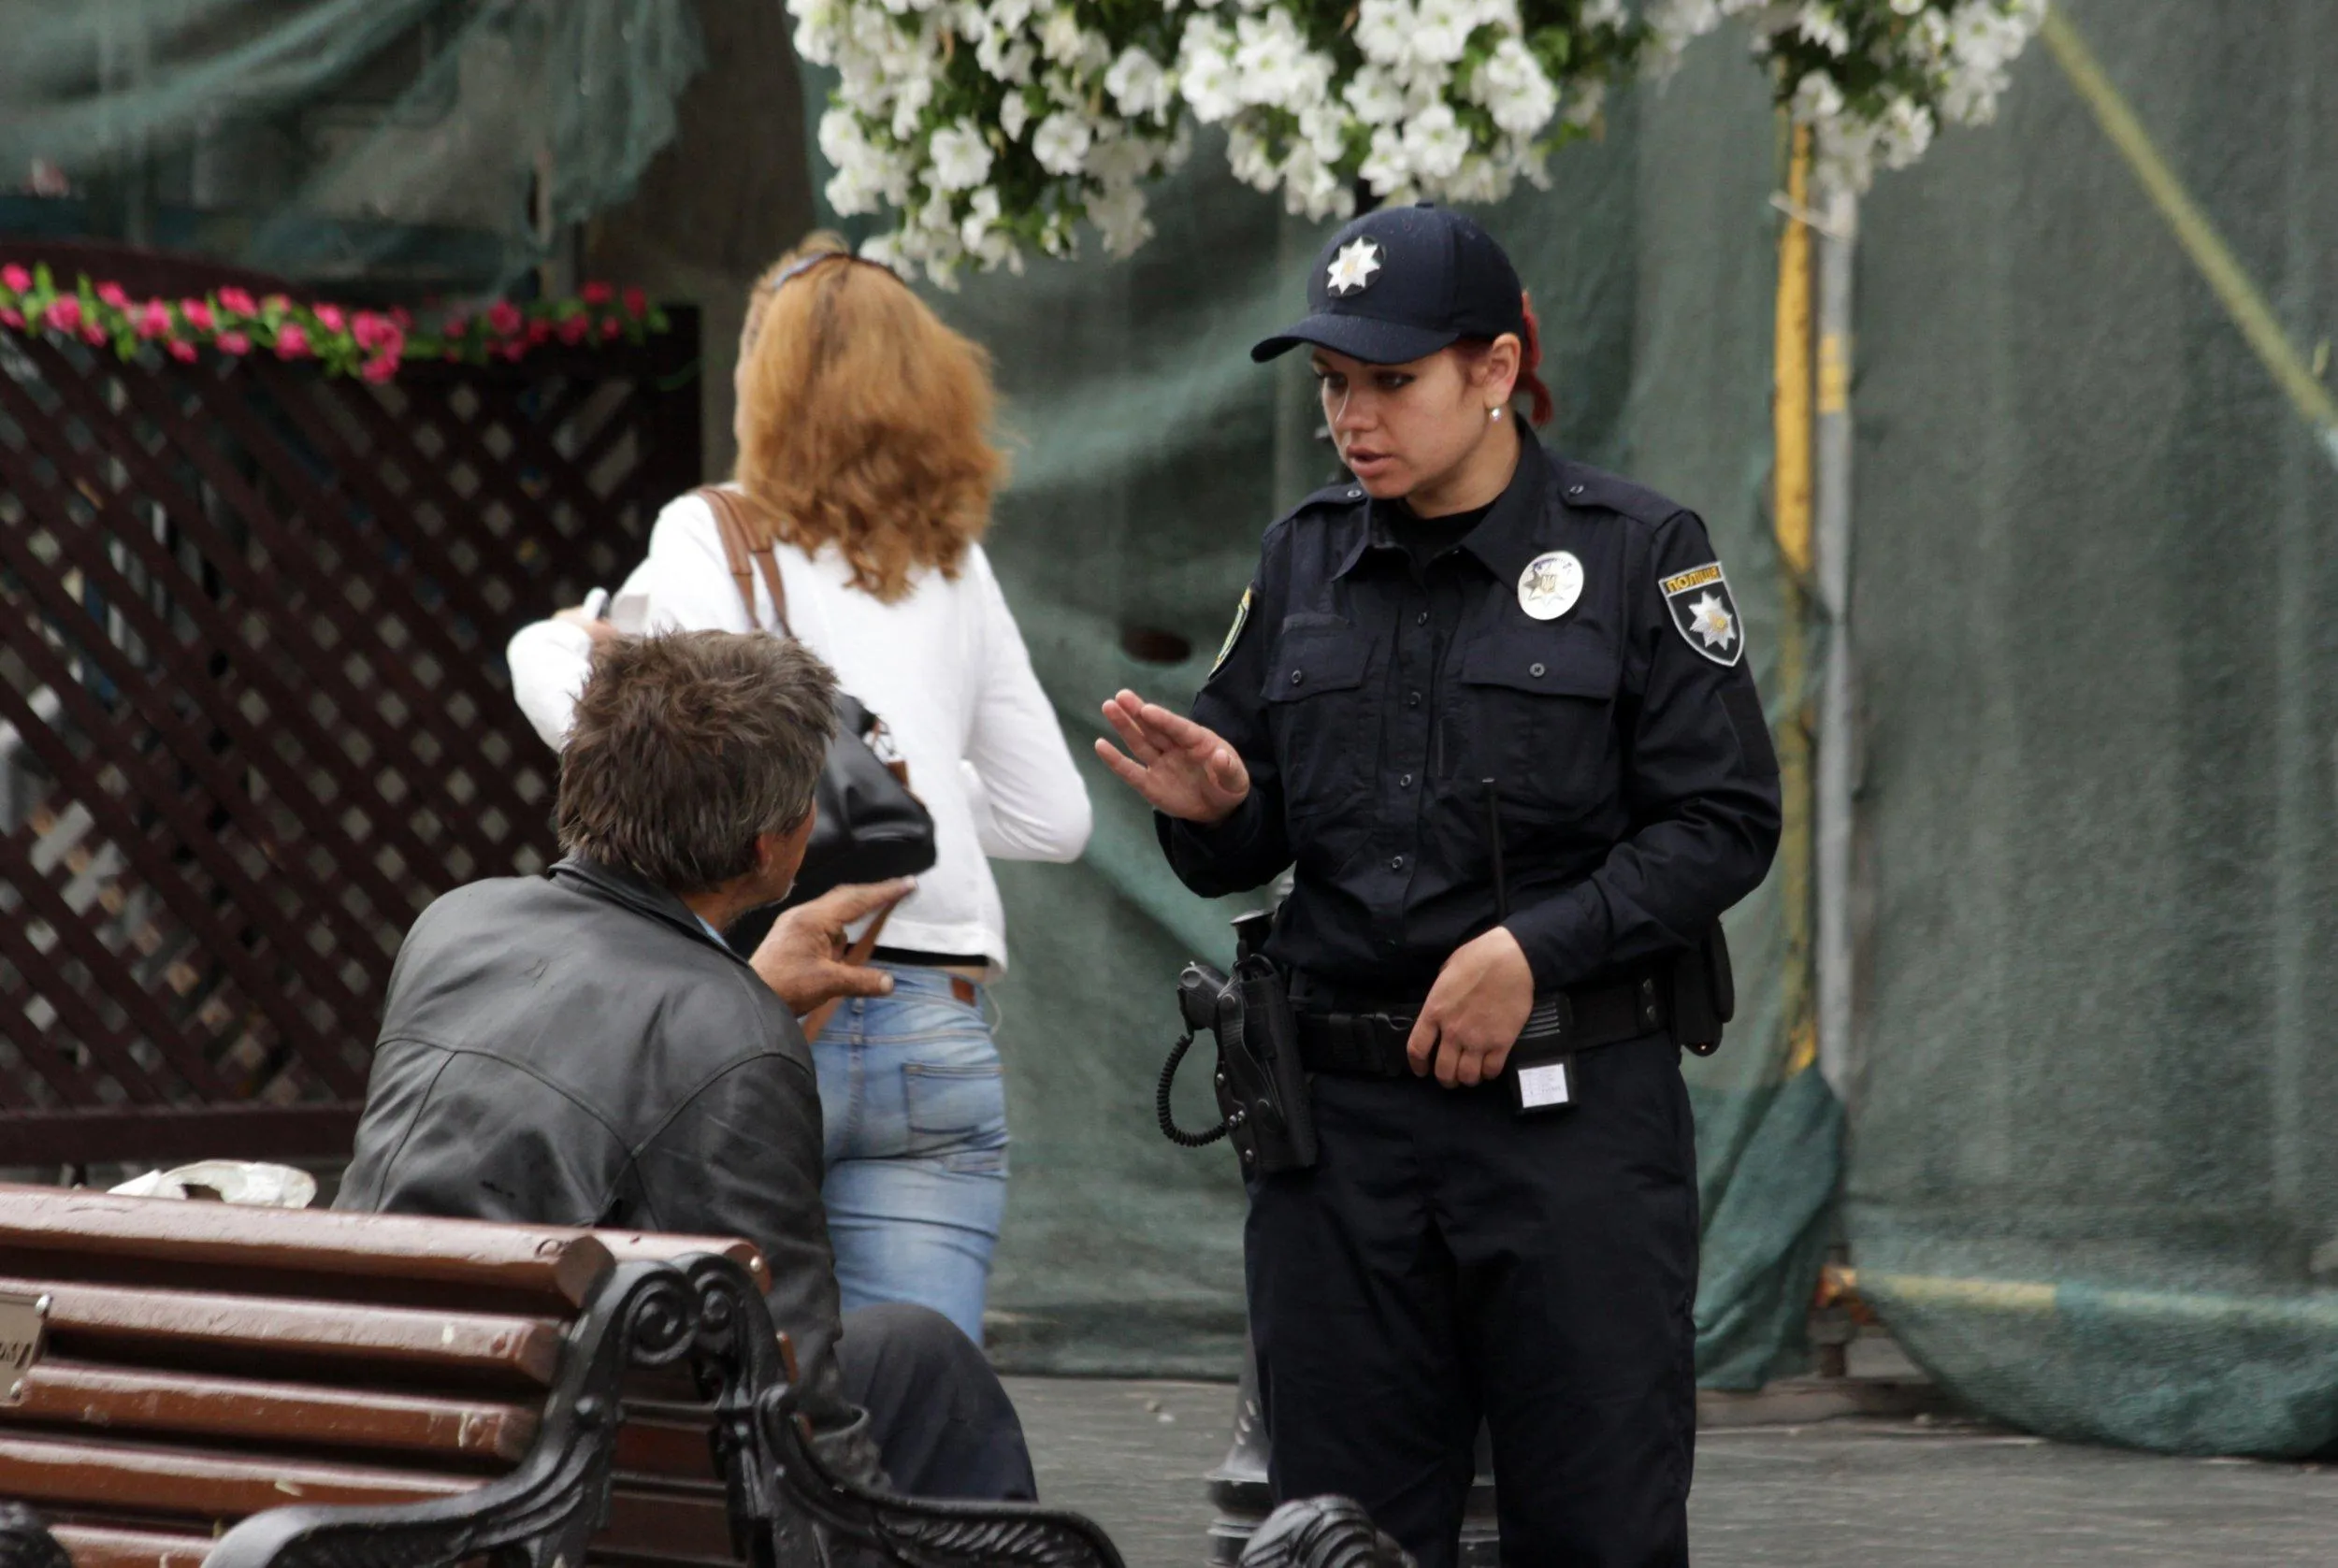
[583, 1049]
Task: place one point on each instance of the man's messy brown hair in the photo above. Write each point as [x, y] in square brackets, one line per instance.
[688, 746]
[865, 420]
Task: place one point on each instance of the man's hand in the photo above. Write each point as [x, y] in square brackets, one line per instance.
[1181, 769]
[1480, 1001]
[800, 956]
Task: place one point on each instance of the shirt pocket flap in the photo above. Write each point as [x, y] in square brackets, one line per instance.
[1311, 660]
[1549, 663]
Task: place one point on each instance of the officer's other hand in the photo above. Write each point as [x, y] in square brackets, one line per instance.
[1475, 1011]
[802, 956]
[1182, 769]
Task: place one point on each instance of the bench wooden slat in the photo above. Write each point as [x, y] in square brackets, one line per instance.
[82, 1318]
[666, 1522]
[126, 1400]
[93, 1547]
[684, 1448]
[80, 1473]
[562, 1264]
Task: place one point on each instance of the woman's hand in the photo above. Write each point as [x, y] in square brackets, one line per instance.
[596, 628]
[1480, 1002]
[1181, 769]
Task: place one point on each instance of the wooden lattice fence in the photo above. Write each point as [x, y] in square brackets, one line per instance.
[253, 713]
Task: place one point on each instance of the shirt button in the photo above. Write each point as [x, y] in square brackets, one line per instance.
[1297, 676]
[1535, 669]
[1404, 781]
[1412, 699]
[1574, 489]
[1421, 619]
[1395, 862]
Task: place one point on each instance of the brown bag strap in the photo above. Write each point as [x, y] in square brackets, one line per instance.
[856, 955]
[730, 509]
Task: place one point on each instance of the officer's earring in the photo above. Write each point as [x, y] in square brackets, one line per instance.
[1494, 413]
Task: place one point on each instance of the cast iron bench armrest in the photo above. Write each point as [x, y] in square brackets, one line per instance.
[779, 1485]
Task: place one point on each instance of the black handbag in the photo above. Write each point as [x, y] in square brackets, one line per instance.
[870, 827]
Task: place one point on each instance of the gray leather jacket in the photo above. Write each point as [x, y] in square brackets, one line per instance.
[577, 1050]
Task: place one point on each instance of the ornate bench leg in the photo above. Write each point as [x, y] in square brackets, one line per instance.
[799, 1508]
[543, 1512]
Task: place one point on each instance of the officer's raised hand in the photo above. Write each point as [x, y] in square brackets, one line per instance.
[1182, 769]
[1474, 1010]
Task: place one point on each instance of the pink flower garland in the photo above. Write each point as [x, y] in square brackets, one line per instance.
[343, 340]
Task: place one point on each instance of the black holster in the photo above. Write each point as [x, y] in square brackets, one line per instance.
[1704, 992]
[1262, 1087]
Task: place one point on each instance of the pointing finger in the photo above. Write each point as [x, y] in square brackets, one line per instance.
[856, 980]
[846, 904]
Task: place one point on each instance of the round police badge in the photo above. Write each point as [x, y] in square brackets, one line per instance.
[1550, 585]
[1351, 271]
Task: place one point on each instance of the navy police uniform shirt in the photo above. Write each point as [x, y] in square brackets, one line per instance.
[1579, 648]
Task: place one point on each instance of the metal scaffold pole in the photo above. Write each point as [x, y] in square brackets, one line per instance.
[1836, 783]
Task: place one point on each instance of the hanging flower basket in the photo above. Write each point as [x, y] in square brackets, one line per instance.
[988, 127]
[342, 340]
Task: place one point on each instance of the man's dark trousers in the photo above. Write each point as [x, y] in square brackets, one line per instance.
[1447, 1262]
[941, 1420]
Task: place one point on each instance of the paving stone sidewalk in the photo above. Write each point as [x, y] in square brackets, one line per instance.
[1837, 1494]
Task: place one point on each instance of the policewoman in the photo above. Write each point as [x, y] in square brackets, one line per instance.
[1493, 707]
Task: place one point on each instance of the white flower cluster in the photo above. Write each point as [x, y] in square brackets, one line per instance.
[912, 129]
[988, 126]
[1959, 54]
[1447, 101]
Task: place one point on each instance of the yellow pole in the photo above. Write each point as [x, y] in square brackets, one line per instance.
[1790, 434]
[1790, 406]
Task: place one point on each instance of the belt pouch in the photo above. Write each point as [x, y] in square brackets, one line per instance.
[1704, 992]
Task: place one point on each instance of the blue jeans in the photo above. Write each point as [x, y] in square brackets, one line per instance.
[915, 1107]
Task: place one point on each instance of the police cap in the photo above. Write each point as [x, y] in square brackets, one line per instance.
[1403, 283]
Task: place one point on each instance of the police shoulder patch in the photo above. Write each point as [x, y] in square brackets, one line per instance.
[1233, 633]
[1704, 614]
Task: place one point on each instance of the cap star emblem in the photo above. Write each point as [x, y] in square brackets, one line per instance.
[1713, 623]
[1353, 268]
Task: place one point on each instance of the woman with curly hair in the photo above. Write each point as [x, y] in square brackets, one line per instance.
[866, 468]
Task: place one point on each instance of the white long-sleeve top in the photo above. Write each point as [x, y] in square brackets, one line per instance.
[944, 667]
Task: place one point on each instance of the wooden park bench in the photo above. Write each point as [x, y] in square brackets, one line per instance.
[250, 1387]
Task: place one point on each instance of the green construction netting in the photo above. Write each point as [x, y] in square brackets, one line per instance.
[395, 145]
[1152, 456]
[2093, 1182]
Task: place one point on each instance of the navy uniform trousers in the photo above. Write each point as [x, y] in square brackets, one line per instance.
[1447, 1260]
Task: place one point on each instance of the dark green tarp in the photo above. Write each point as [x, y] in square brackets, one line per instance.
[2093, 1180]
